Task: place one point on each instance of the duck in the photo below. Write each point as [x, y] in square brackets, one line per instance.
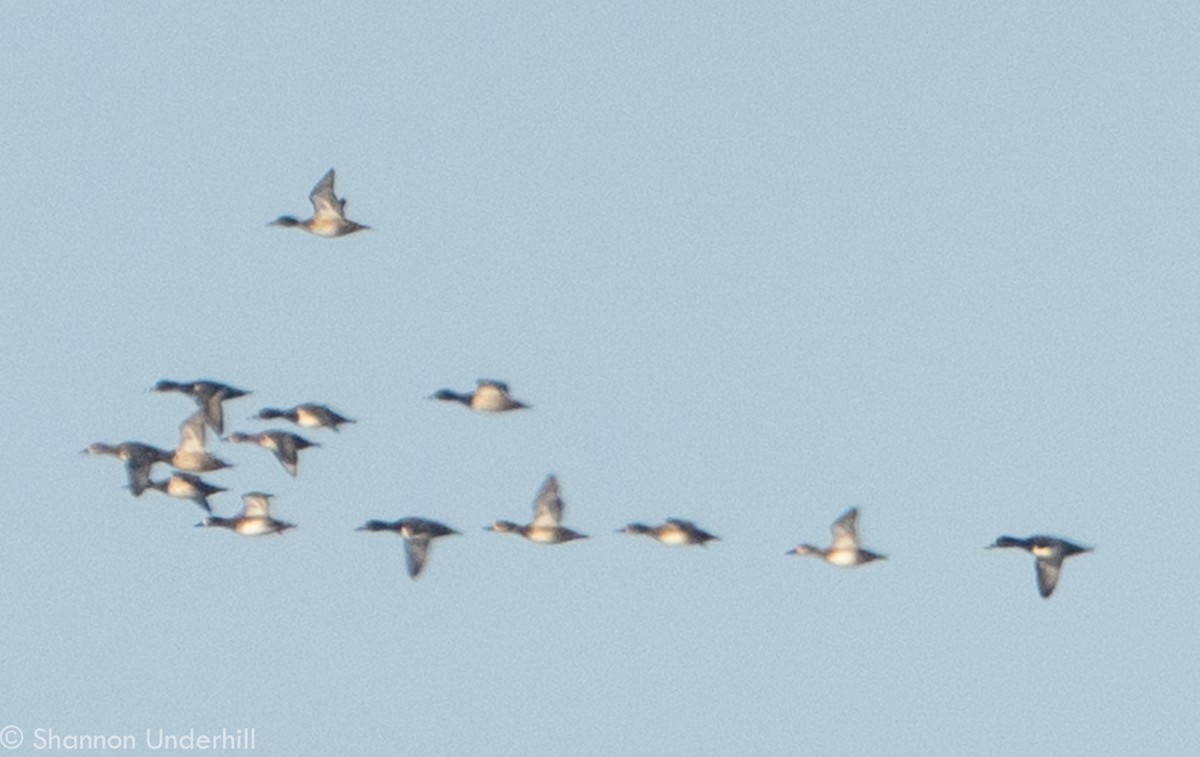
[418, 534]
[545, 528]
[329, 213]
[1049, 551]
[308, 415]
[208, 396]
[139, 459]
[490, 396]
[254, 519]
[284, 444]
[189, 487]
[673, 531]
[844, 551]
[191, 454]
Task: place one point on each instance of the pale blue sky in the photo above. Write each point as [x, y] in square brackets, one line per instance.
[751, 265]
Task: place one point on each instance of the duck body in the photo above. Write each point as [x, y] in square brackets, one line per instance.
[308, 415]
[189, 487]
[539, 534]
[249, 526]
[198, 462]
[842, 558]
[673, 532]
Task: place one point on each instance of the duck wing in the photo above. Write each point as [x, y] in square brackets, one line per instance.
[845, 530]
[256, 505]
[1047, 575]
[548, 507]
[192, 436]
[325, 204]
[416, 551]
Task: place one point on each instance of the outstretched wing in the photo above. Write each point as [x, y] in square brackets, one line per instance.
[256, 505]
[325, 204]
[139, 474]
[214, 412]
[1047, 575]
[286, 453]
[192, 437]
[497, 385]
[287, 448]
[845, 530]
[416, 551]
[548, 507]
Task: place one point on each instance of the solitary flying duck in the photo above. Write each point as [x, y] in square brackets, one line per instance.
[545, 527]
[418, 534]
[489, 397]
[844, 551]
[329, 213]
[1050, 553]
[674, 531]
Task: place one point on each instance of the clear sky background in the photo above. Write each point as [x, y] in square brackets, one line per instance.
[751, 263]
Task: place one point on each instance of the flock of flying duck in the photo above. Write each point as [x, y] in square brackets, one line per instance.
[191, 456]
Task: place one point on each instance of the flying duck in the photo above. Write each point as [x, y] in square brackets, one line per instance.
[844, 551]
[418, 534]
[308, 415]
[189, 487]
[139, 458]
[254, 519]
[285, 445]
[489, 397]
[545, 527]
[191, 454]
[674, 531]
[1049, 552]
[208, 396]
[329, 213]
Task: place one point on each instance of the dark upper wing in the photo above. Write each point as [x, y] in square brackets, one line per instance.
[139, 474]
[1047, 575]
[214, 413]
[416, 551]
[500, 385]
